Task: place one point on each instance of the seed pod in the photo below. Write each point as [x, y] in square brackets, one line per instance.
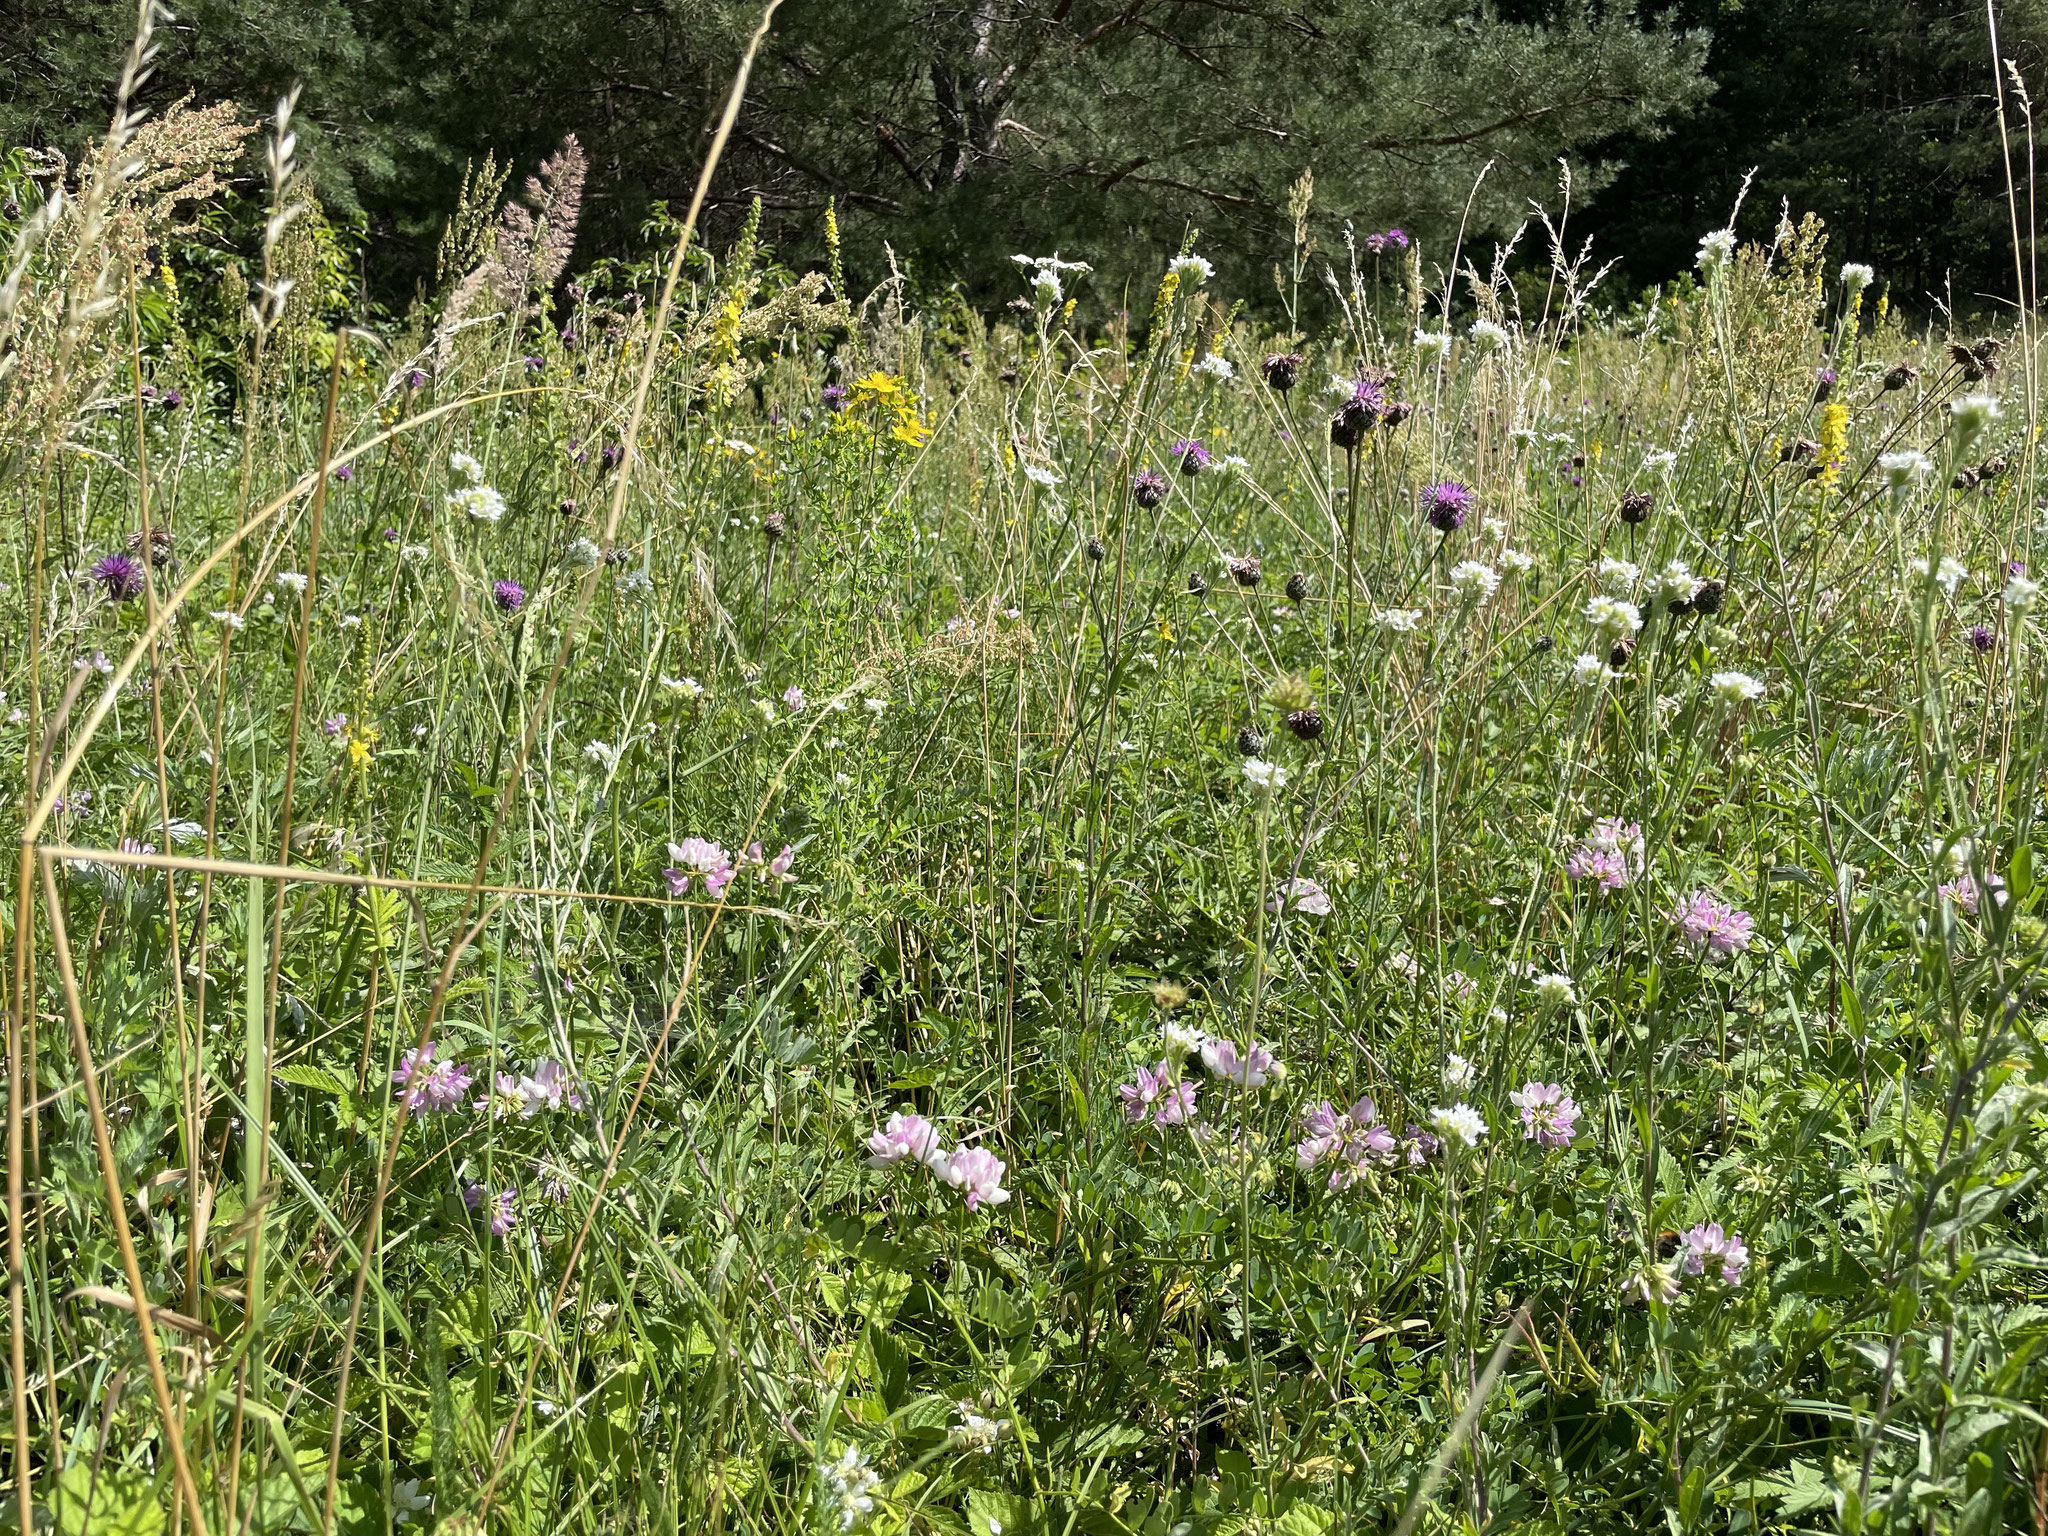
[1992, 467]
[1901, 376]
[1635, 507]
[1619, 653]
[1965, 479]
[1250, 743]
[1297, 587]
[1798, 450]
[1353, 420]
[773, 526]
[1966, 360]
[1708, 599]
[1544, 645]
[1395, 412]
[1307, 724]
[1245, 570]
[160, 543]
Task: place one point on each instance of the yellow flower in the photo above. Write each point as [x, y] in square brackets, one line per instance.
[361, 740]
[1834, 442]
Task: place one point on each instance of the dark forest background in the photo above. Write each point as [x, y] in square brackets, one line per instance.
[962, 132]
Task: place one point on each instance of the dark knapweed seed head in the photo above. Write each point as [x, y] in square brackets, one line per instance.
[1194, 458]
[1901, 376]
[1619, 653]
[1679, 607]
[1297, 588]
[1988, 351]
[1307, 724]
[568, 506]
[1446, 505]
[1395, 412]
[121, 575]
[1635, 507]
[1823, 384]
[1965, 479]
[1097, 549]
[161, 544]
[613, 454]
[773, 526]
[1708, 599]
[1198, 584]
[617, 557]
[1798, 451]
[1281, 369]
[1544, 644]
[1250, 741]
[1982, 640]
[1968, 361]
[1148, 487]
[1245, 570]
[508, 595]
[1992, 467]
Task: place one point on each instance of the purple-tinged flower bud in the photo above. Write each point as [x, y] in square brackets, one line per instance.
[508, 595]
[1446, 505]
[1307, 724]
[1297, 588]
[1250, 741]
[1823, 384]
[1245, 570]
[1148, 487]
[1281, 369]
[1901, 376]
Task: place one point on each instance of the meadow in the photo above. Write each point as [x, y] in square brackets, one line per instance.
[669, 899]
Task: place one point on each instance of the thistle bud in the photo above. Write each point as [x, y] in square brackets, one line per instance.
[773, 526]
[1966, 360]
[1148, 488]
[1396, 412]
[1823, 384]
[1992, 467]
[1544, 645]
[1619, 653]
[1965, 479]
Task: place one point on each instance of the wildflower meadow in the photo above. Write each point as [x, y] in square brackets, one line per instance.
[663, 897]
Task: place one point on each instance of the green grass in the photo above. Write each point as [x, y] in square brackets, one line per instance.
[1017, 799]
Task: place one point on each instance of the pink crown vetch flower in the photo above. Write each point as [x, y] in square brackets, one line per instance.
[979, 1172]
[906, 1138]
[1711, 928]
[1549, 1117]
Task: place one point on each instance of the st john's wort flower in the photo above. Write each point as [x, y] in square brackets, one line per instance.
[1711, 928]
[1549, 1117]
[906, 1138]
[1252, 1067]
[977, 1172]
[1349, 1141]
[1706, 1248]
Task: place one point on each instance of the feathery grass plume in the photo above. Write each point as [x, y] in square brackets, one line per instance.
[535, 237]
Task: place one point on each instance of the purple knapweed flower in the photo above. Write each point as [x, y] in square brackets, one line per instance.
[1446, 505]
[1982, 639]
[1148, 487]
[415, 379]
[1549, 1117]
[533, 362]
[344, 473]
[1194, 458]
[613, 455]
[508, 595]
[121, 575]
[1711, 928]
[833, 397]
[390, 535]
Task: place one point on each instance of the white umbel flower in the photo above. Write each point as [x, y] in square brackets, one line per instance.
[1264, 776]
[1733, 688]
[1474, 582]
[1460, 1124]
[1856, 277]
[1717, 249]
[1554, 990]
[1613, 616]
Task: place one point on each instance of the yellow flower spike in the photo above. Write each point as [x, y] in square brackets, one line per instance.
[1834, 442]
